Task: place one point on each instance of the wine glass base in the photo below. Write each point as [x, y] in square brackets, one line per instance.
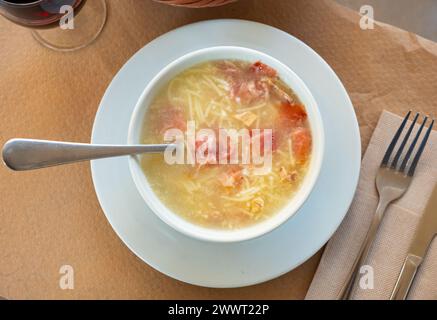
[87, 26]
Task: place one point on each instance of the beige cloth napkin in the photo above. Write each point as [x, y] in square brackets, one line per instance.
[395, 233]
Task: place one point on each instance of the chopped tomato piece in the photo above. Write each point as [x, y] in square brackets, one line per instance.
[301, 138]
[292, 112]
[262, 69]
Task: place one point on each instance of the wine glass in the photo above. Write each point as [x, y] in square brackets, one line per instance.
[61, 25]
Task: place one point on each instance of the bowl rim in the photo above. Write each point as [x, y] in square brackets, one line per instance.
[258, 229]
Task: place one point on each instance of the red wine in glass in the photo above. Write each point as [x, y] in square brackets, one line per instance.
[37, 13]
[46, 15]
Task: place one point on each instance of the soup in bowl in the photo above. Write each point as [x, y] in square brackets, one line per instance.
[249, 142]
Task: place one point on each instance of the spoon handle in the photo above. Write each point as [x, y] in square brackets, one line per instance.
[28, 154]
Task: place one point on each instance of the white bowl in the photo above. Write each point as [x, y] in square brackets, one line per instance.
[217, 235]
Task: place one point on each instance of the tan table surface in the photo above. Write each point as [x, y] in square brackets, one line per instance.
[51, 217]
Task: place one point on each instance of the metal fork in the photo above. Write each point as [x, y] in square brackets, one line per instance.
[392, 181]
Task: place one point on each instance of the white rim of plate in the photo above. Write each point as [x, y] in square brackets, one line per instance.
[242, 276]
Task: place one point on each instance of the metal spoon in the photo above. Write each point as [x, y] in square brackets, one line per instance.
[28, 154]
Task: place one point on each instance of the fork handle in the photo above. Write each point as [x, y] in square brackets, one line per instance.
[364, 250]
[406, 277]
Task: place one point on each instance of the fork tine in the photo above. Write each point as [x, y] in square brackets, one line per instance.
[420, 151]
[410, 150]
[394, 141]
[404, 142]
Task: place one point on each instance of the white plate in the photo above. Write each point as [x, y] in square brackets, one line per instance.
[245, 263]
